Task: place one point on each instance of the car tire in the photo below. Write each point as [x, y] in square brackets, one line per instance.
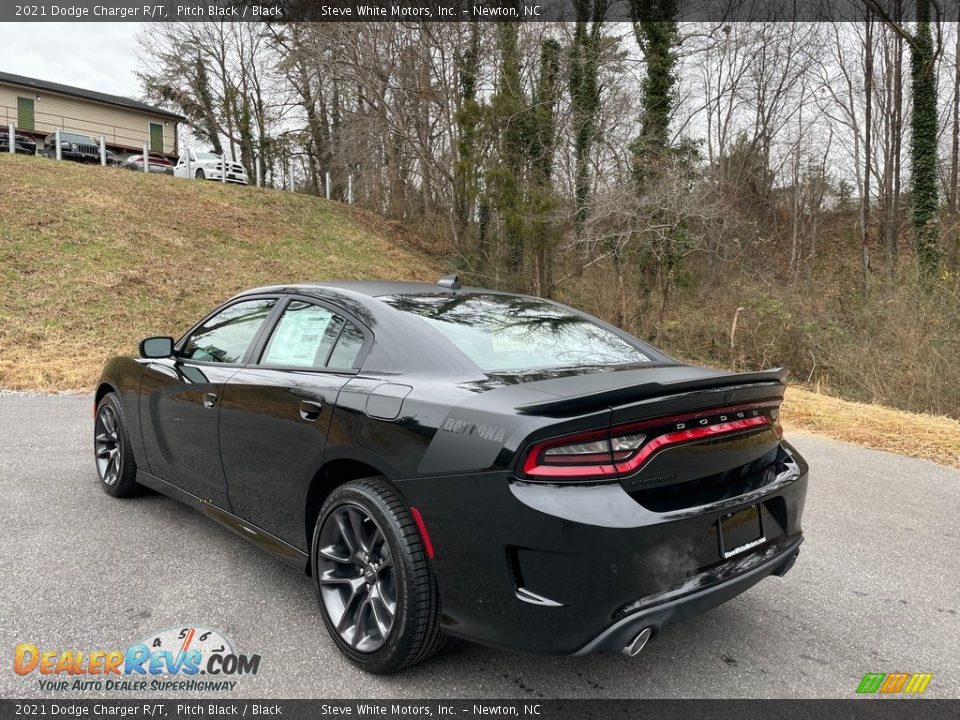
[116, 466]
[200, 175]
[367, 554]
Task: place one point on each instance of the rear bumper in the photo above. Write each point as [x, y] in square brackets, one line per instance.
[563, 570]
[614, 638]
[154, 169]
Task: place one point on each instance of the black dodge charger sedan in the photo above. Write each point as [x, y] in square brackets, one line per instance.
[445, 460]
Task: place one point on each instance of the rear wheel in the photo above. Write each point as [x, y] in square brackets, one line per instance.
[116, 466]
[378, 595]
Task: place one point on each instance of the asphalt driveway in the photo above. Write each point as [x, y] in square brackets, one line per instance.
[876, 589]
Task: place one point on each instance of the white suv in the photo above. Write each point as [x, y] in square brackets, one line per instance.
[209, 166]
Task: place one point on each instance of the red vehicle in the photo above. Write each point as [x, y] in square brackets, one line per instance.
[158, 164]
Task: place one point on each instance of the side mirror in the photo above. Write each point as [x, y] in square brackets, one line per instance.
[156, 347]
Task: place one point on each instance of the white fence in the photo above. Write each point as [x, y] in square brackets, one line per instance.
[292, 185]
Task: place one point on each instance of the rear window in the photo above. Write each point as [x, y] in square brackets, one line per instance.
[504, 333]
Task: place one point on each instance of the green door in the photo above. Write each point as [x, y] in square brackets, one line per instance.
[156, 137]
[25, 113]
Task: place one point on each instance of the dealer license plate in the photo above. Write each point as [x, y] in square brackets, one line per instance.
[740, 531]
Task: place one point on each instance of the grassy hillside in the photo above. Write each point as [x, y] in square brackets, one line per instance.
[93, 259]
[931, 437]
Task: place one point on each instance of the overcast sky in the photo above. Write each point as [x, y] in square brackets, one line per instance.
[93, 56]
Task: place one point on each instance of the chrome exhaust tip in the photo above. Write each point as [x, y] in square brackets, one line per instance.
[633, 648]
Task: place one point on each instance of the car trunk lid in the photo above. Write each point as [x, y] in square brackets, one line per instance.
[679, 436]
[640, 392]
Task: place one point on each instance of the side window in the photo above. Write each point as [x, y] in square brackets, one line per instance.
[303, 336]
[226, 336]
[310, 336]
[347, 349]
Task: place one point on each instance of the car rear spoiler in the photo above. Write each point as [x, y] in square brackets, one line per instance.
[647, 390]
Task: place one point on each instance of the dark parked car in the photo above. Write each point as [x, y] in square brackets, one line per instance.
[157, 164]
[79, 148]
[447, 460]
[22, 144]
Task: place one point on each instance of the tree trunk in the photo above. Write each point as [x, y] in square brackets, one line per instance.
[585, 100]
[952, 201]
[893, 220]
[868, 133]
[923, 146]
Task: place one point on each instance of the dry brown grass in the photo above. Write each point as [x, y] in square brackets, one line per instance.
[93, 259]
[930, 437]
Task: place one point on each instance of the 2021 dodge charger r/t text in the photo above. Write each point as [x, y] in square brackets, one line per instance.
[457, 461]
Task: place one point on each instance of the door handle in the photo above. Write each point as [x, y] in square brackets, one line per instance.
[209, 400]
[310, 411]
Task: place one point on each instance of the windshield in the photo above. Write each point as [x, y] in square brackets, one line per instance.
[506, 333]
[207, 156]
[70, 137]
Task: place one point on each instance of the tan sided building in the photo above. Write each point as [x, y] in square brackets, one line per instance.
[38, 108]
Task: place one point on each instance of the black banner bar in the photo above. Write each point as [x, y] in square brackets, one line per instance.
[853, 709]
[454, 10]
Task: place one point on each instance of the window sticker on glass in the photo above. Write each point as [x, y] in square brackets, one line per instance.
[301, 337]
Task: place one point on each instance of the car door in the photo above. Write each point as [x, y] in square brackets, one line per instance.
[276, 412]
[180, 398]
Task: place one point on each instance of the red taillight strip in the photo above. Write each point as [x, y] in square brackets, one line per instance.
[600, 471]
[594, 472]
[422, 527]
[531, 464]
[683, 436]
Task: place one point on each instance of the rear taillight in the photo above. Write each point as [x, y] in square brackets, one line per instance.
[592, 455]
[775, 421]
[607, 454]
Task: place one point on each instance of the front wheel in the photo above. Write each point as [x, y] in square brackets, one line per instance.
[116, 465]
[200, 175]
[378, 595]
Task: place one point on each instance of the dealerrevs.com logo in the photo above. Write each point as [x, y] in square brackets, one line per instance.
[185, 659]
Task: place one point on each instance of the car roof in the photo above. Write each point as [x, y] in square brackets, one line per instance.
[371, 288]
[406, 344]
[395, 351]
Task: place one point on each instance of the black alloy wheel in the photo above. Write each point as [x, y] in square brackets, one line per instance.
[116, 466]
[357, 578]
[377, 592]
[107, 443]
